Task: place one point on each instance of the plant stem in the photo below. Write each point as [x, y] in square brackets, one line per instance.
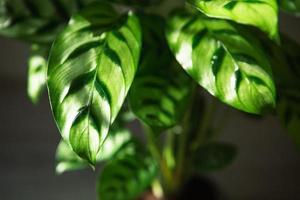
[153, 143]
[204, 126]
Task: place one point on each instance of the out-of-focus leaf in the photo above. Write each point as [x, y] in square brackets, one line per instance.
[37, 72]
[262, 14]
[288, 107]
[91, 67]
[160, 90]
[138, 2]
[291, 6]
[225, 60]
[214, 156]
[68, 160]
[127, 177]
[36, 21]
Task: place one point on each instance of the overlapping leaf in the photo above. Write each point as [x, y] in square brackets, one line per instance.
[262, 14]
[226, 62]
[36, 20]
[67, 160]
[291, 6]
[37, 72]
[214, 156]
[127, 177]
[91, 67]
[160, 91]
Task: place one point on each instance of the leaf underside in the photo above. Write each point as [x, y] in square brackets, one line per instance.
[226, 62]
[88, 79]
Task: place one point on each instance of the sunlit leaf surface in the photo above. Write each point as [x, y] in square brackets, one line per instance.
[262, 14]
[37, 72]
[229, 64]
[91, 67]
[68, 160]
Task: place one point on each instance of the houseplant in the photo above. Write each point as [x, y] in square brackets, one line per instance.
[108, 50]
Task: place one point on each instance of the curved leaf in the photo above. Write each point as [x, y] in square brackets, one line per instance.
[262, 14]
[37, 72]
[36, 20]
[67, 160]
[214, 156]
[228, 63]
[127, 177]
[160, 91]
[291, 6]
[91, 67]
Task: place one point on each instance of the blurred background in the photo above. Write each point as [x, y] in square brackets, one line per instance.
[267, 166]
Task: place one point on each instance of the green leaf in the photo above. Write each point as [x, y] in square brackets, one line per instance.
[68, 160]
[37, 72]
[223, 59]
[288, 107]
[291, 6]
[126, 177]
[262, 14]
[91, 67]
[160, 92]
[36, 21]
[214, 156]
[138, 2]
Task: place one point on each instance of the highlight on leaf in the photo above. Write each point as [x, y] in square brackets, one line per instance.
[262, 14]
[68, 160]
[37, 72]
[88, 80]
[160, 91]
[229, 64]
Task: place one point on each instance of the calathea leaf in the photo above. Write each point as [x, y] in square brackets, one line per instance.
[288, 107]
[160, 91]
[37, 72]
[91, 67]
[36, 20]
[68, 160]
[224, 60]
[262, 14]
[291, 6]
[127, 177]
[214, 156]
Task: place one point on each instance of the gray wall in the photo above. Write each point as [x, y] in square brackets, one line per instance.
[267, 166]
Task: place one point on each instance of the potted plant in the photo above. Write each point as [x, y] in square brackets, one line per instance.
[107, 63]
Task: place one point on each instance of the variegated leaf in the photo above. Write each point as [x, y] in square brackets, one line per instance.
[91, 67]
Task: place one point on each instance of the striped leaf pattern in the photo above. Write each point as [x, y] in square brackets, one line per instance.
[226, 62]
[159, 94]
[126, 177]
[36, 83]
[262, 14]
[291, 6]
[91, 67]
[36, 20]
[68, 160]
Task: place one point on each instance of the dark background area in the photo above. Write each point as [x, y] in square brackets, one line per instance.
[267, 166]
